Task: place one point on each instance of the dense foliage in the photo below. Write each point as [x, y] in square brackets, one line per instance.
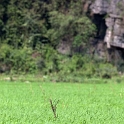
[30, 31]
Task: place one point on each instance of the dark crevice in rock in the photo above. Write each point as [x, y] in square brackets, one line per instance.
[99, 21]
[115, 54]
[98, 45]
[116, 57]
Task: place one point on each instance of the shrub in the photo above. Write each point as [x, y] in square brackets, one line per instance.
[105, 70]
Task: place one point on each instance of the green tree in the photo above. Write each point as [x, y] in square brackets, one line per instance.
[69, 23]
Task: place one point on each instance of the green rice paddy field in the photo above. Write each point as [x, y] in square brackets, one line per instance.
[29, 103]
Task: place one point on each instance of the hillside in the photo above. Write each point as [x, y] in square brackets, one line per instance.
[83, 37]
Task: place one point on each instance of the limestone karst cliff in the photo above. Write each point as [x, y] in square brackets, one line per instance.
[108, 16]
[113, 12]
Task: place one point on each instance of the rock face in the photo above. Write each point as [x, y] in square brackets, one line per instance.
[108, 16]
[113, 12]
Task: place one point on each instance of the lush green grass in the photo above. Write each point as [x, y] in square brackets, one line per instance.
[28, 103]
